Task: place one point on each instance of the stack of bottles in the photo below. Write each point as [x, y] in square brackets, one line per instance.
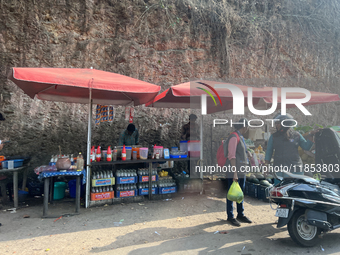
[122, 187]
[102, 189]
[102, 174]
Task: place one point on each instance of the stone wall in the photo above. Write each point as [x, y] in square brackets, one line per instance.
[162, 42]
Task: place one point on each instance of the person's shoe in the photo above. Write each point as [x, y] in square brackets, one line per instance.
[244, 219]
[234, 222]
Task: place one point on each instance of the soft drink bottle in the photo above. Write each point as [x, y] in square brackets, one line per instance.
[124, 153]
[109, 154]
[98, 154]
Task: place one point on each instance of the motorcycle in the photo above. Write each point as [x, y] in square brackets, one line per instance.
[311, 207]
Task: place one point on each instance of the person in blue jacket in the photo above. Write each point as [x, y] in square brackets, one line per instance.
[285, 142]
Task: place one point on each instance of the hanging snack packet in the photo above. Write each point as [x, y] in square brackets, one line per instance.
[111, 113]
[104, 114]
[98, 114]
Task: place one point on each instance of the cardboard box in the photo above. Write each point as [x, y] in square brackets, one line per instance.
[103, 182]
[102, 196]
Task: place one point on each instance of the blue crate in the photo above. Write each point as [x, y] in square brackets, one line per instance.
[126, 180]
[16, 163]
[178, 156]
[168, 190]
[127, 193]
[145, 178]
[261, 193]
[143, 192]
[252, 190]
[246, 188]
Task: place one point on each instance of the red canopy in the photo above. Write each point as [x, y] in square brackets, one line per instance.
[316, 97]
[187, 95]
[72, 85]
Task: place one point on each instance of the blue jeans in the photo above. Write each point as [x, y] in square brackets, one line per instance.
[240, 208]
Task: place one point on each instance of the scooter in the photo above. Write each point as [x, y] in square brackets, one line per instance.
[311, 207]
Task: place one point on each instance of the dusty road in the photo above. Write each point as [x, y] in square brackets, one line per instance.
[185, 225]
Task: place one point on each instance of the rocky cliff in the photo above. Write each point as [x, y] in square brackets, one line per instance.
[273, 43]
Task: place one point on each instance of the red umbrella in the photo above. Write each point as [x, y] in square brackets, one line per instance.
[188, 95]
[72, 85]
[316, 97]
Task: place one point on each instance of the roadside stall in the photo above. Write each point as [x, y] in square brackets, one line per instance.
[190, 95]
[193, 95]
[85, 86]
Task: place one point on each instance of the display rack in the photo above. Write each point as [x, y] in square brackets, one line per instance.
[114, 164]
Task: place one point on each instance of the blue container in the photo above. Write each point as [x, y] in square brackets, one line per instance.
[143, 192]
[22, 195]
[16, 163]
[72, 187]
[126, 180]
[252, 190]
[167, 190]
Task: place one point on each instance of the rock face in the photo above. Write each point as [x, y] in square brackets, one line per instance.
[163, 42]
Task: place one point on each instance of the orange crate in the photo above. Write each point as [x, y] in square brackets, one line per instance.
[102, 196]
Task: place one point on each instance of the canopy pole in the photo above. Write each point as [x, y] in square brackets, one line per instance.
[88, 153]
[201, 154]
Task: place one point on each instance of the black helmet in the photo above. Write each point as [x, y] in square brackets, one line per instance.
[290, 122]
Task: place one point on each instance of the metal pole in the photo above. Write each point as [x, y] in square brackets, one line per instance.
[88, 153]
[201, 154]
[15, 188]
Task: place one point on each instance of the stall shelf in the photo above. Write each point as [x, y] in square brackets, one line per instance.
[140, 161]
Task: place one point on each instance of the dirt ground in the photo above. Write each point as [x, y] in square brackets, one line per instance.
[186, 224]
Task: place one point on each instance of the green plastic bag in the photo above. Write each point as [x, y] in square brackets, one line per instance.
[235, 193]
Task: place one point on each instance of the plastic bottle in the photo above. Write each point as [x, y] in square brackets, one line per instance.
[80, 162]
[98, 154]
[114, 154]
[109, 154]
[93, 154]
[72, 160]
[124, 153]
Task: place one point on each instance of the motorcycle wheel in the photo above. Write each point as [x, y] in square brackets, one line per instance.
[302, 233]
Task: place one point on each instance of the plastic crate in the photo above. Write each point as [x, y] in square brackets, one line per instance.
[178, 156]
[143, 192]
[261, 193]
[246, 188]
[16, 163]
[189, 185]
[103, 182]
[252, 190]
[168, 190]
[102, 196]
[145, 178]
[127, 193]
[126, 180]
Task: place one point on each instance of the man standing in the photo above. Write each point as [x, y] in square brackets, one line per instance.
[129, 136]
[190, 130]
[235, 150]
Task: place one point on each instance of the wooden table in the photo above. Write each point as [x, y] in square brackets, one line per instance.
[15, 182]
